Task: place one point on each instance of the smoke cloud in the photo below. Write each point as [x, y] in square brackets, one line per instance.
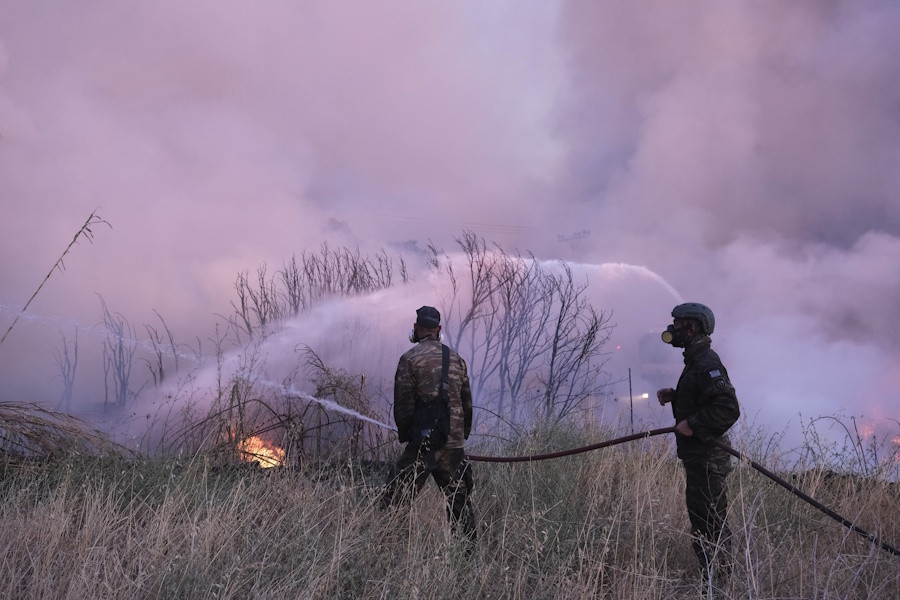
[745, 151]
[742, 155]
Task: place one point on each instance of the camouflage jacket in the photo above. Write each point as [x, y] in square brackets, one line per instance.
[705, 397]
[419, 376]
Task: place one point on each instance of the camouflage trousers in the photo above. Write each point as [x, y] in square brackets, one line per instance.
[451, 472]
[707, 504]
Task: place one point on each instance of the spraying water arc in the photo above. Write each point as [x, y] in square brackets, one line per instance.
[293, 392]
[642, 271]
[620, 269]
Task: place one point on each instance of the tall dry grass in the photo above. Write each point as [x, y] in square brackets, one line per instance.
[608, 524]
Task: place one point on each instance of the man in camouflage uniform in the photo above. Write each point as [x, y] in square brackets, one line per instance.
[705, 406]
[417, 386]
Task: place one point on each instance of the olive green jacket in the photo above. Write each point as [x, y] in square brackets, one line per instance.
[705, 397]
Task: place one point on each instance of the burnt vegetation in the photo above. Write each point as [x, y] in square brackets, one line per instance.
[534, 343]
[191, 512]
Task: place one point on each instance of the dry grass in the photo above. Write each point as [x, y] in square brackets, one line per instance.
[29, 432]
[610, 524]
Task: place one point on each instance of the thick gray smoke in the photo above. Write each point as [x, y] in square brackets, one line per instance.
[738, 154]
[748, 151]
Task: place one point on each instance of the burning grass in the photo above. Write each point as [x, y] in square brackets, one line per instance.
[255, 449]
[609, 524]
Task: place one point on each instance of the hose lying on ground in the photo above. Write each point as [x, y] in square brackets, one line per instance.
[636, 436]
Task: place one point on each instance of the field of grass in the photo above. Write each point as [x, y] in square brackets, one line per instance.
[607, 524]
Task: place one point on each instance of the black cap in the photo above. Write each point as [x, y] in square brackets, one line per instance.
[428, 317]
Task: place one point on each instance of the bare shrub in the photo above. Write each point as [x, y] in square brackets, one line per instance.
[68, 363]
[306, 281]
[119, 346]
[351, 391]
[163, 348]
[305, 426]
[534, 343]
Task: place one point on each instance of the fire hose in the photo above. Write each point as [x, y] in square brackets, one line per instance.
[742, 457]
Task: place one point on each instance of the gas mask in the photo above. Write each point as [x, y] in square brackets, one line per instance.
[674, 336]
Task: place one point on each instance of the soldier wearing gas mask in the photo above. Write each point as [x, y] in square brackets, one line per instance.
[433, 413]
[705, 406]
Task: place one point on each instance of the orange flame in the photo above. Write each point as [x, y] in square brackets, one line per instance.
[256, 449]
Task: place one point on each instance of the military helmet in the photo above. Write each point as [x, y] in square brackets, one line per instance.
[700, 312]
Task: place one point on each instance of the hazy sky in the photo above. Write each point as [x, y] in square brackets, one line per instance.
[746, 152]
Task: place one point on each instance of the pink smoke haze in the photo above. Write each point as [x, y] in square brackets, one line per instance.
[743, 155]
